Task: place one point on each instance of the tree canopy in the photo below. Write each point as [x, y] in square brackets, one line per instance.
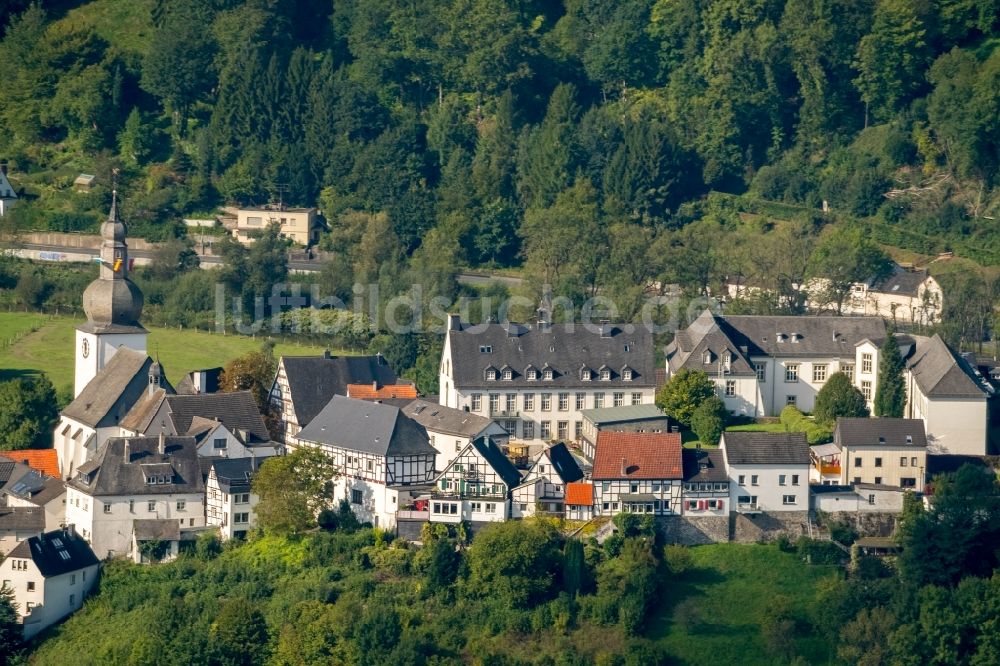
[293, 489]
[839, 397]
[683, 393]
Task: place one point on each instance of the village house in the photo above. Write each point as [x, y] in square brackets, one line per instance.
[50, 574]
[45, 493]
[398, 394]
[905, 296]
[579, 500]
[536, 380]
[230, 504]
[543, 488]
[768, 471]
[199, 381]
[155, 540]
[135, 478]
[17, 524]
[383, 456]
[628, 418]
[45, 461]
[475, 486]
[882, 451]
[451, 430]
[638, 473]
[300, 225]
[706, 483]
[303, 385]
[857, 498]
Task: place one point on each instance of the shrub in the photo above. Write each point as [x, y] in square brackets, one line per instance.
[709, 419]
[818, 552]
[678, 559]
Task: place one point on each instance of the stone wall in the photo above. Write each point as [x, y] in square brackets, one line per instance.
[759, 527]
[695, 530]
[866, 524]
[410, 529]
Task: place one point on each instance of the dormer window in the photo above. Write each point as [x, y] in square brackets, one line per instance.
[531, 374]
[585, 375]
[485, 349]
[547, 374]
[627, 374]
[707, 357]
[881, 440]
[491, 375]
[507, 375]
[909, 439]
[605, 375]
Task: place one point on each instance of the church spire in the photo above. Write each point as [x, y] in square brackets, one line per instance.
[112, 300]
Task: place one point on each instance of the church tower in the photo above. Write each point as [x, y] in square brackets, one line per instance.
[113, 305]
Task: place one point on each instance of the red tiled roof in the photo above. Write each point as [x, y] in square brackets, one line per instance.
[643, 455]
[370, 392]
[45, 461]
[580, 494]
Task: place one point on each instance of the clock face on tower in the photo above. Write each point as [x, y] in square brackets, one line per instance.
[85, 348]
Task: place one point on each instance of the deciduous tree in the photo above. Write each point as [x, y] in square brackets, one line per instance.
[839, 397]
[683, 393]
[293, 489]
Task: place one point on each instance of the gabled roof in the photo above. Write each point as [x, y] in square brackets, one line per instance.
[37, 488]
[313, 380]
[446, 420]
[140, 417]
[564, 463]
[496, 459]
[623, 414]
[146, 529]
[22, 519]
[637, 455]
[901, 282]
[45, 461]
[234, 474]
[108, 473]
[766, 448]
[854, 432]
[187, 386]
[710, 339]
[369, 427]
[557, 347]
[57, 552]
[113, 391]
[580, 494]
[380, 392]
[704, 466]
[236, 411]
[941, 373]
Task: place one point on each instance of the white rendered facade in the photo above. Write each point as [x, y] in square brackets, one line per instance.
[94, 350]
[768, 487]
[234, 513]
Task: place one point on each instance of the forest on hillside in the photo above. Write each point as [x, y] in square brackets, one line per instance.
[596, 146]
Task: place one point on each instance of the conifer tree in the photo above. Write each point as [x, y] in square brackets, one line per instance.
[890, 396]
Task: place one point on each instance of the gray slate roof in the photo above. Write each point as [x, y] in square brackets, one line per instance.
[854, 432]
[22, 518]
[708, 338]
[140, 417]
[109, 396]
[368, 427]
[566, 352]
[704, 466]
[940, 373]
[446, 419]
[623, 414]
[110, 474]
[234, 474]
[186, 386]
[37, 488]
[902, 282]
[151, 529]
[313, 380]
[766, 448]
[565, 464]
[760, 334]
[46, 551]
[236, 410]
[500, 463]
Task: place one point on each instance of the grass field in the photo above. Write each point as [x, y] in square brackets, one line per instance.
[757, 427]
[50, 348]
[713, 612]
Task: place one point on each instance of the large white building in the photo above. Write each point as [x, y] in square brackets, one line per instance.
[382, 456]
[50, 574]
[135, 478]
[536, 380]
[768, 471]
[760, 364]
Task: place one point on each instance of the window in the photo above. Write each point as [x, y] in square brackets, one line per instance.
[241, 518]
[491, 375]
[781, 479]
[656, 486]
[792, 372]
[742, 479]
[848, 369]
[902, 461]
[871, 498]
[107, 508]
[181, 505]
[563, 402]
[819, 373]
[546, 402]
[547, 374]
[619, 399]
[477, 402]
[636, 398]
[241, 498]
[507, 375]
[585, 375]
[511, 402]
[581, 401]
[795, 479]
[528, 428]
[529, 402]
[788, 499]
[562, 430]
[907, 482]
[31, 586]
[730, 388]
[489, 507]
[761, 369]
[866, 389]
[605, 375]
[753, 480]
[532, 375]
[219, 443]
[131, 506]
[72, 579]
[494, 403]
[857, 479]
[791, 400]
[878, 462]
[545, 429]
[356, 497]
[913, 461]
[633, 487]
[878, 480]
[627, 375]
[598, 400]
[578, 430]
[151, 505]
[866, 364]
[476, 507]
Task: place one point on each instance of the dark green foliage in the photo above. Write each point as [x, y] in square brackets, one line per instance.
[514, 562]
[838, 398]
[890, 395]
[28, 412]
[795, 421]
[573, 572]
[709, 420]
[10, 627]
[239, 635]
[683, 393]
[819, 552]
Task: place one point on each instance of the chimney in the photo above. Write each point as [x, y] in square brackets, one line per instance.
[161, 446]
[624, 468]
[375, 386]
[3, 167]
[326, 354]
[128, 451]
[454, 322]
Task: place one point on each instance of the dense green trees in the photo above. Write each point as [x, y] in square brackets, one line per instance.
[293, 489]
[890, 395]
[28, 412]
[709, 420]
[683, 393]
[838, 397]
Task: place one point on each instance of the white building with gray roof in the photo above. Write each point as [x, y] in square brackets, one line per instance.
[451, 430]
[383, 457]
[536, 380]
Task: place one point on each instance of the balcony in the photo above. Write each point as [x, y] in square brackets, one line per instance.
[470, 475]
[828, 468]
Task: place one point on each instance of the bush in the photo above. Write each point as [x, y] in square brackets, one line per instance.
[795, 421]
[709, 420]
[784, 543]
[818, 552]
[678, 559]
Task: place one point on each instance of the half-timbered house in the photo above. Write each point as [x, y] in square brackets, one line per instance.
[544, 486]
[638, 472]
[706, 484]
[476, 485]
[383, 457]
